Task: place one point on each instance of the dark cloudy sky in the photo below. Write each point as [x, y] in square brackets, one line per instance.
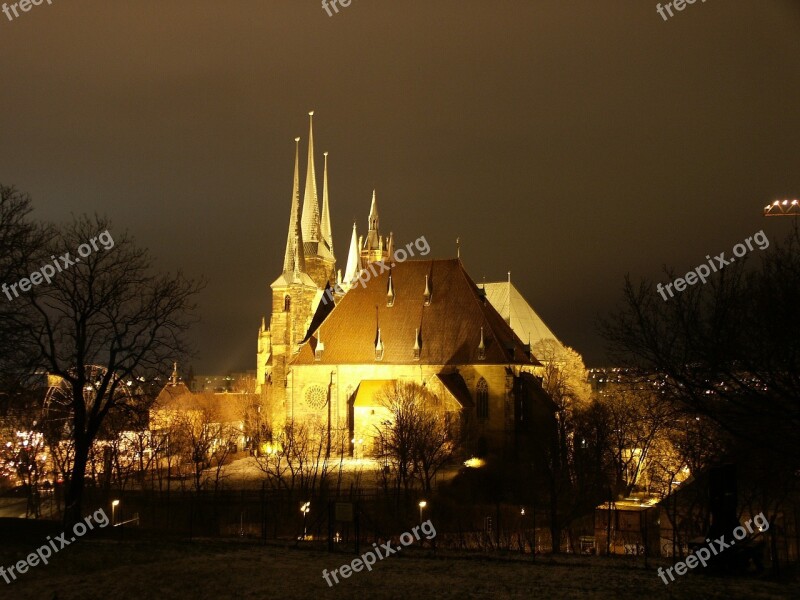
[569, 141]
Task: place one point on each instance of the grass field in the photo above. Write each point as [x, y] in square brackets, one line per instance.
[212, 569]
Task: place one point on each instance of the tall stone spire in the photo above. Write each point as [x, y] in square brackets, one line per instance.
[353, 261]
[325, 225]
[294, 259]
[310, 201]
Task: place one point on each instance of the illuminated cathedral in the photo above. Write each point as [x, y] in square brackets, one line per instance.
[331, 346]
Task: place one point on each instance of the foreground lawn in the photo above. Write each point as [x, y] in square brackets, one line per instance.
[142, 570]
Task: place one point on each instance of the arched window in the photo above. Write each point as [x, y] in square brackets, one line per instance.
[287, 303]
[482, 393]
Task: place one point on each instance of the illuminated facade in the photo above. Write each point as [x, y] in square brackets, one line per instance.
[422, 321]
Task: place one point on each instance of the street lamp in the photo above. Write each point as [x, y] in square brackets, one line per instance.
[422, 504]
[114, 506]
[304, 509]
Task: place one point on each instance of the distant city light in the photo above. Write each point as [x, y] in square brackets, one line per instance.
[782, 208]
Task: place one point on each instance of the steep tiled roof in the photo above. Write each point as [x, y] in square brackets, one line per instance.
[449, 328]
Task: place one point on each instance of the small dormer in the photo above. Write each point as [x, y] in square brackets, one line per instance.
[427, 294]
[379, 347]
[390, 292]
[320, 349]
[482, 348]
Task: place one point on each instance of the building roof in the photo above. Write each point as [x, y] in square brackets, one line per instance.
[225, 408]
[516, 311]
[170, 393]
[449, 328]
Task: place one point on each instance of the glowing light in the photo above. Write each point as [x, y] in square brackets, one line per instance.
[785, 207]
[474, 463]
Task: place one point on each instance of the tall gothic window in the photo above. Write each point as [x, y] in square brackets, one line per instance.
[483, 399]
[287, 304]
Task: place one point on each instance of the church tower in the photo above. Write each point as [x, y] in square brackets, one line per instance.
[293, 294]
[375, 248]
[317, 237]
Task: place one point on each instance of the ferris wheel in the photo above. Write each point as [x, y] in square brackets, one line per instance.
[57, 410]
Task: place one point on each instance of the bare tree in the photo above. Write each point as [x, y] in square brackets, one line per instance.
[565, 382]
[19, 237]
[639, 423]
[415, 442]
[208, 442]
[296, 460]
[105, 312]
[727, 349]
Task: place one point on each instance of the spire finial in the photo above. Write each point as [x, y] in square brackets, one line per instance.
[174, 378]
[458, 247]
[310, 199]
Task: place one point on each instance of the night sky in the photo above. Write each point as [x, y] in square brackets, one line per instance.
[568, 141]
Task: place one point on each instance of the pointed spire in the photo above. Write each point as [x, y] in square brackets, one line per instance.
[373, 214]
[481, 347]
[325, 224]
[310, 200]
[263, 324]
[353, 267]
[294, 259]
[417, 346]
[390, 247]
